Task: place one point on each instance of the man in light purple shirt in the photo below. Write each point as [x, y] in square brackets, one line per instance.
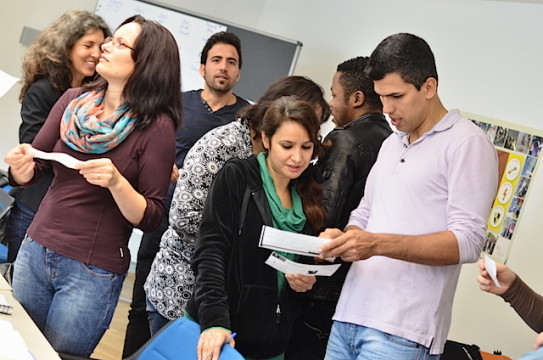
[423, 214]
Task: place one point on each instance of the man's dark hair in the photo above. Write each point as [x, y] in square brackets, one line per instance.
[353, 78]
[225, 38]
[405, 54]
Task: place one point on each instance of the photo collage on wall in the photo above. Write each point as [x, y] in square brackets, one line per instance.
[518, 154]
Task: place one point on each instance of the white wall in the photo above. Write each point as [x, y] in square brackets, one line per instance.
[14, 15]
[488, 55]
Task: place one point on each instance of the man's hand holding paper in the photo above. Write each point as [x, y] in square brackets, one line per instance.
[352, 245]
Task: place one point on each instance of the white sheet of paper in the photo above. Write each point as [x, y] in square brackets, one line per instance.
[281, 263]
[6, 82]
[12, 345]
[275, 239]
[64, 159]
[490, 266]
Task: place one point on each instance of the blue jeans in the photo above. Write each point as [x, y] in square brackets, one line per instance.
[20, 218]
[350, 341]
[533, 355]
[156, 321]
[71, 303]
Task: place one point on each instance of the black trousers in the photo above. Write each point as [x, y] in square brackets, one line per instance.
[312, 331]
[137, 330]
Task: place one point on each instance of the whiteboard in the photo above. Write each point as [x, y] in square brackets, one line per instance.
[190, 33]
[265, 57]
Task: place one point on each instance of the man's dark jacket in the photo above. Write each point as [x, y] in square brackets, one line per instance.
[346, 164]
[342, 173]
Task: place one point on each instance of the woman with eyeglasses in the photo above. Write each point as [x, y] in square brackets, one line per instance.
[64, 56]
[121, 130]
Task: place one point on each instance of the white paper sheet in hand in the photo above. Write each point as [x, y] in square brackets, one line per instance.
[275, 239]
[64, 159]
[281, 263]
[490, 266]
[6, 82]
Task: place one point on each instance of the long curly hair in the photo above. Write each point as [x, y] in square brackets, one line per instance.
[50, 54]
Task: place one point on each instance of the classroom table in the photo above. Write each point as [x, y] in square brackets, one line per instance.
[33, 338]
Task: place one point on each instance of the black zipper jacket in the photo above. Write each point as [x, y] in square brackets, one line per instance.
[234, 288]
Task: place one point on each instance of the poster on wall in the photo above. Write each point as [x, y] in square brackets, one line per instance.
[518, 150]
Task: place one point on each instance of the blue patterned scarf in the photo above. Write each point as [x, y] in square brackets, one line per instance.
[82, 131]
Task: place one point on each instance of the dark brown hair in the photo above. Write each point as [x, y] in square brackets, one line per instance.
[405, 54]
[302, 87]
[155, 85]
[291, 108]
[222, 37]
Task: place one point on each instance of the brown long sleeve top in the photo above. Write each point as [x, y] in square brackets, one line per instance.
[526, 302]
[82, 221]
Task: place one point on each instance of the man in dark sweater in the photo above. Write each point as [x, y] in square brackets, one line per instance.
[351, 151]
[203, 110]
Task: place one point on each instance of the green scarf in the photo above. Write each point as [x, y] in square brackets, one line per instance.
[292, 219]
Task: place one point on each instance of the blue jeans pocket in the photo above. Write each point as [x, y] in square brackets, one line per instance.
[401, 341]
[98, 272]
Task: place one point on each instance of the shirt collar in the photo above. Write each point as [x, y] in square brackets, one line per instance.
[448, 121]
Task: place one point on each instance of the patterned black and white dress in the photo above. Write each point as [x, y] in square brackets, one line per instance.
[171, 280]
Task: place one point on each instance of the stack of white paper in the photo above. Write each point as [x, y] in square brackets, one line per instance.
[12, 346]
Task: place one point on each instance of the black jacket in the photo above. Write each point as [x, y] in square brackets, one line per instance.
[234, 288]
[37, 103]
[343, 169]
[342, 173]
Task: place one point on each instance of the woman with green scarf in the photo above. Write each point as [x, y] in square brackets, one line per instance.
[235, 290]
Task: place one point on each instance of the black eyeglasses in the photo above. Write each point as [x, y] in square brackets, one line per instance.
[117, 43]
